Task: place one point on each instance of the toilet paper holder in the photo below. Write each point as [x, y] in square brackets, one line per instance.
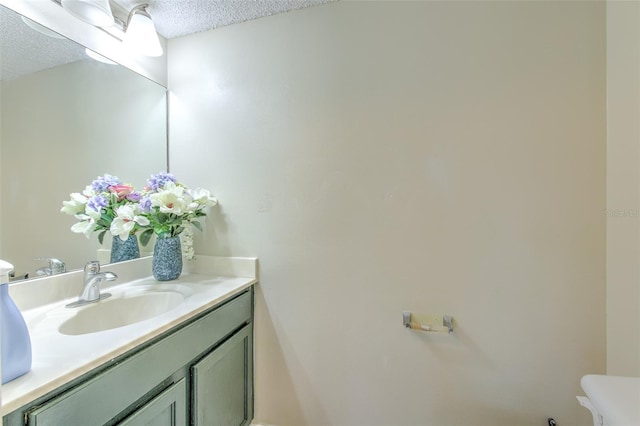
[447, 324]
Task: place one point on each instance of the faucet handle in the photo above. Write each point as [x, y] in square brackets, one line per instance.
[56, 266]
[93, 267]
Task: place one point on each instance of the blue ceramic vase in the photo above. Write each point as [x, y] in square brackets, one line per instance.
[124, 250]
[167, 259]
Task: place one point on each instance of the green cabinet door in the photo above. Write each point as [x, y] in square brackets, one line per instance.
[223, 383]
[167, 409]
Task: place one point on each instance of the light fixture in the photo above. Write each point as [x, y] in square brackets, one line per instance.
[94, 12]
[41, 29]
[141, 35]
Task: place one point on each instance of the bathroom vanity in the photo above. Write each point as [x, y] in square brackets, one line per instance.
[189, 364]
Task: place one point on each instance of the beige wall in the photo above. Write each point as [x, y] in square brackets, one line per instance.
[623, 188]
[438, 157]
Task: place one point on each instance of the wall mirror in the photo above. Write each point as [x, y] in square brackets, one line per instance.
[65, 119]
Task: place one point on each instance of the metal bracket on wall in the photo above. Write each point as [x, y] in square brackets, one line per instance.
[447, 324]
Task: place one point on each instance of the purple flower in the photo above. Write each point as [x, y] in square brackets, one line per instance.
[145, 204]
[97, 202]
[134, 196]
[102, 183]
[157, 182]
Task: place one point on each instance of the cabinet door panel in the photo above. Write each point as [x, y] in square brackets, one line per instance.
[167, 409]
[222, 383]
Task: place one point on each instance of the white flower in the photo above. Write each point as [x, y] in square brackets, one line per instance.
[88, 191]
[75, 205]
[126, 218]
[87, 222]
[93, 214]
[172, 199]
[203, 197]
[84, 227]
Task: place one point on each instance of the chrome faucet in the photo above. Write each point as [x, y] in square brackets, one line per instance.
[56, 266]
[91, 288]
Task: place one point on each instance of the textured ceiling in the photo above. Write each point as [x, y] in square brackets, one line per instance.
[24, 50]
[175, 18]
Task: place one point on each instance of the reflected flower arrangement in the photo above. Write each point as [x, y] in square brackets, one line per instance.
[106, 205]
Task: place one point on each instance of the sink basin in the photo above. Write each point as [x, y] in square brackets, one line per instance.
[124, 308]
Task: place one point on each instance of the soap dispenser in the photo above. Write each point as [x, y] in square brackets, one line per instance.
[15, 344]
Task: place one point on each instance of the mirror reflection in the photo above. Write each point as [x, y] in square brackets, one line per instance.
[64, 120]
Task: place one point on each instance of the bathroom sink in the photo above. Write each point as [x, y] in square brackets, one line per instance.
[124, 308]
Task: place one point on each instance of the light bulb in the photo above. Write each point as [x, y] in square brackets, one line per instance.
[141, 36]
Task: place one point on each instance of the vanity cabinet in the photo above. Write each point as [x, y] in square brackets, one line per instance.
[220, 397]
[167, 409]
[200, 372]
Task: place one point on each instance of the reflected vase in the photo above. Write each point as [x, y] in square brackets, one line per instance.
[167, 259]
[124, 250]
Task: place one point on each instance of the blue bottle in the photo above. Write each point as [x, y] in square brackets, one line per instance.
[15, 344]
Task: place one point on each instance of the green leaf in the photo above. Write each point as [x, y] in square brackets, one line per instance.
[198, 225]
[162, 217]
[101, 236]
[146, 236]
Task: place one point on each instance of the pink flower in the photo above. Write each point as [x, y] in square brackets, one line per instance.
[121, 190]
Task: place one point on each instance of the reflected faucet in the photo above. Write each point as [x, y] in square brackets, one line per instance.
[91, 287]
[56, 266]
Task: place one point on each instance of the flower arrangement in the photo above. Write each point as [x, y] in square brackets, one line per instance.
[169, 206]
[107, 204]
[164, 207]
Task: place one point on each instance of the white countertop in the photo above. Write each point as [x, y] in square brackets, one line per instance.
[59, 358]
[616, 398]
